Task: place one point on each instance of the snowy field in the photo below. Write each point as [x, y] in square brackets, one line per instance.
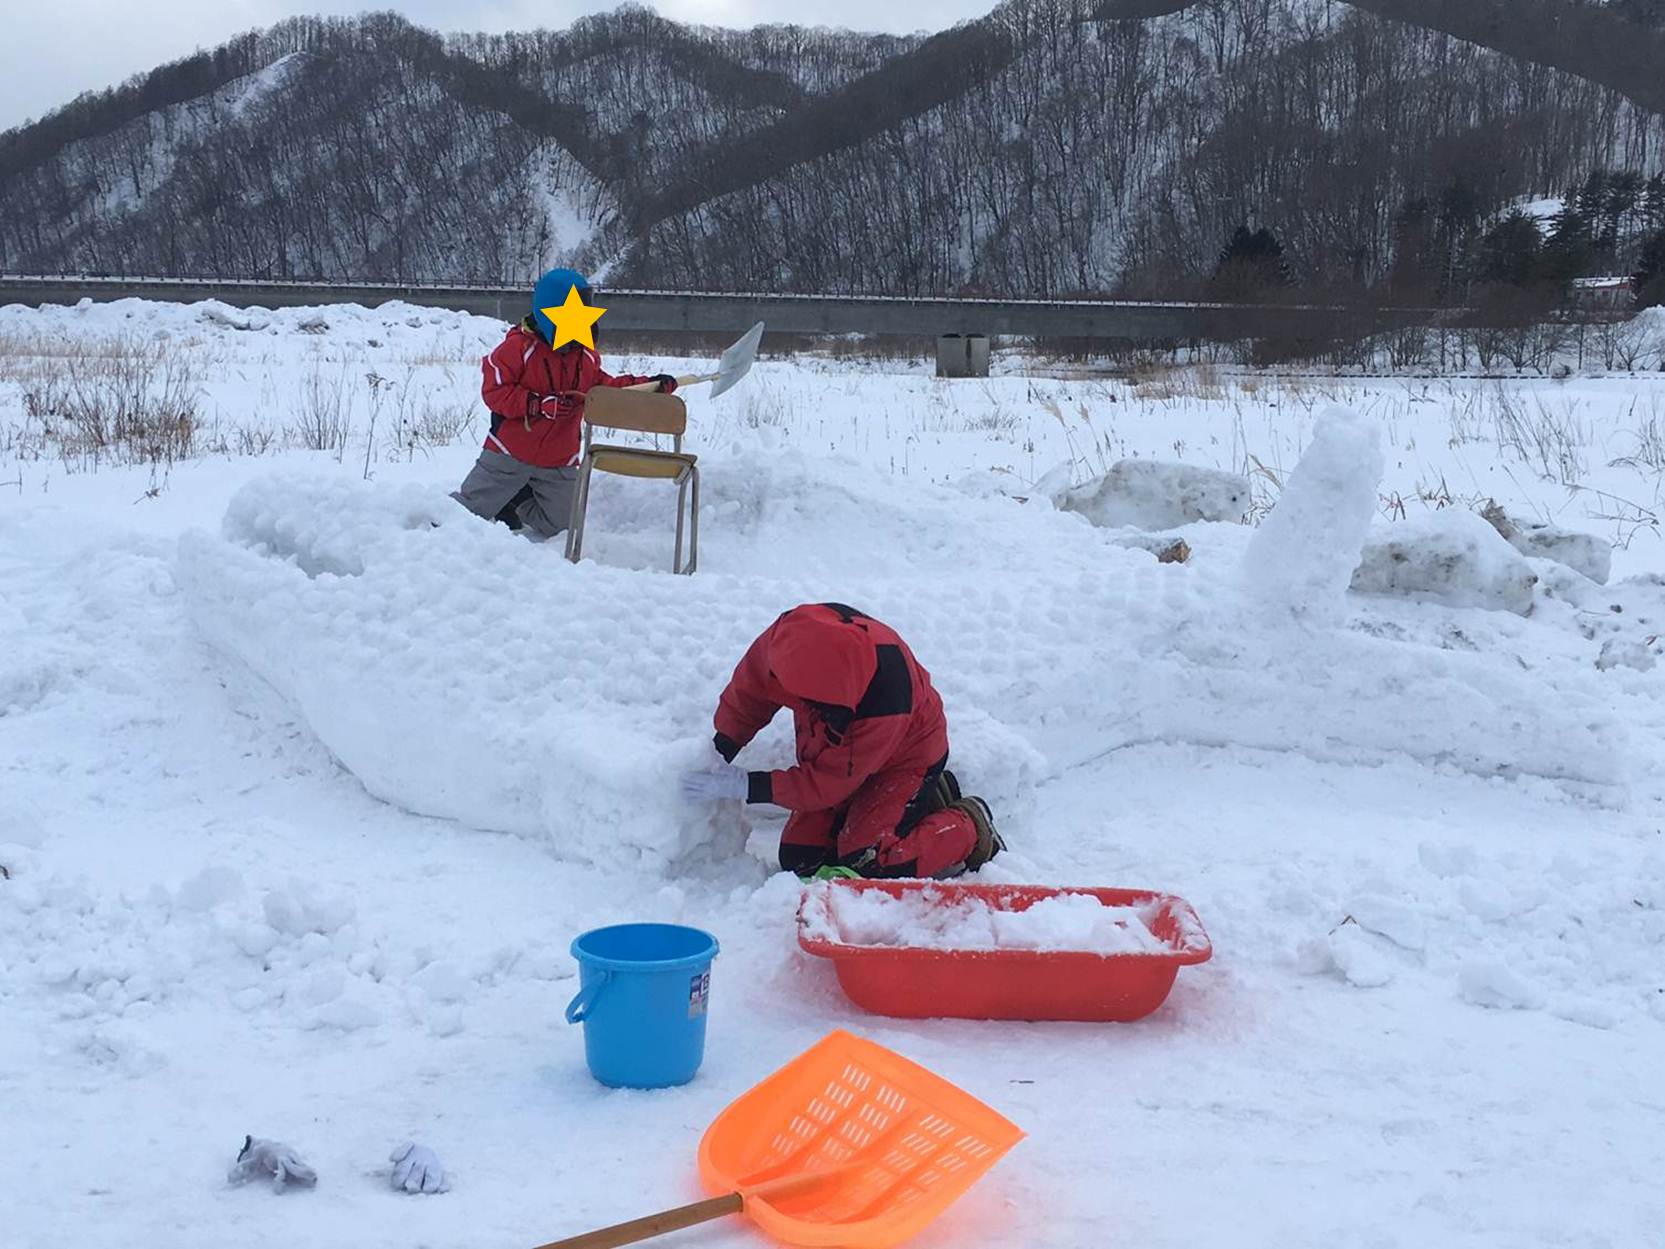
[308, 778]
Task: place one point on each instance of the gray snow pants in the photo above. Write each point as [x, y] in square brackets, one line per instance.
[500, 487]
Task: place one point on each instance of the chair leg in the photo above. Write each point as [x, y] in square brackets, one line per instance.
[694, 522]
[580, 509]
[681, 498]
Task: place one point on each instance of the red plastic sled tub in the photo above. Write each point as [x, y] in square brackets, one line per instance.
[915, 982]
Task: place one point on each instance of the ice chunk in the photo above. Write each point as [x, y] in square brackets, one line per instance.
[1304, 553]
[1487, 982]
[1452, 557]
[1398, 921]
[1154, 494]
[1582, 552]
[21, 822]
[1637, 653]
[1349, 952]
[210, 888]
[255, 940]
[298, 911]
[1358, 958]
[346, 1014]
[443, 981]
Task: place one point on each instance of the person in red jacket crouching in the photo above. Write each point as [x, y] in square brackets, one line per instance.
[527, 471]
[871, 794]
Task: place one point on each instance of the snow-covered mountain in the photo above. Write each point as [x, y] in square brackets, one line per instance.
[1054, 146]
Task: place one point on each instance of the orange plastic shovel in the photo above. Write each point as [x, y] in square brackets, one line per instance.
[847, 1145]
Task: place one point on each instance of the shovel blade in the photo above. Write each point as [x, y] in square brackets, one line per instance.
[737, 361]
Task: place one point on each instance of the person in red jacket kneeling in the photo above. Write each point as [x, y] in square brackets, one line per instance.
[871, 794]
[528, 469]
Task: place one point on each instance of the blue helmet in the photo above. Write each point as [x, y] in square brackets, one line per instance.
[551, 292]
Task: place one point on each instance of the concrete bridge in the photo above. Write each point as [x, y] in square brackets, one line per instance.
[693, 311]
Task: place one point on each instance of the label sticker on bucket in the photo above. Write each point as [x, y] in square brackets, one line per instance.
[699, 993]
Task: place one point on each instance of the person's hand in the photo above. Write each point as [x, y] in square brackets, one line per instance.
[273, 1160]
[717, 784]
[667, 383]
[564, 406]
[416, 1169]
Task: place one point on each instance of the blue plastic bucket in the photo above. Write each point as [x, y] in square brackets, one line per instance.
[643, 990]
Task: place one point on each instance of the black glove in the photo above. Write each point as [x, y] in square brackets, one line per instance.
[667, 383]
[726, 746]
[563, 407]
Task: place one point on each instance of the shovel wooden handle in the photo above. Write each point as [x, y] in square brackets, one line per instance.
[688, 379]
[700, 1212]
[654, 1224]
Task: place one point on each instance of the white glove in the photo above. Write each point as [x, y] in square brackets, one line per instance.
[416, 1169]
[715, 784]
[262, 1159]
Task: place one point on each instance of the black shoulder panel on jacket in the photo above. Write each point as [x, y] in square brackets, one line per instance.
[849, 615]
[890, 693]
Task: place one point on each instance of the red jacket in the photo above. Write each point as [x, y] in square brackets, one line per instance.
[860, 702]
[518, 379]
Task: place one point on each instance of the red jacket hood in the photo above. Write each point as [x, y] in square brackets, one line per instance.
[822, 661]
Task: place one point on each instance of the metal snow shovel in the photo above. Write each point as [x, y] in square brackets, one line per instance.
[849, 1144]
[734, 364]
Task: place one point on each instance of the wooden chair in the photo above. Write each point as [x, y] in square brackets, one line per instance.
[608, 407]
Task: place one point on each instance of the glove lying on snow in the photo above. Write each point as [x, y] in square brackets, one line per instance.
[263, 1159]
[715, 784]
[416, 1169]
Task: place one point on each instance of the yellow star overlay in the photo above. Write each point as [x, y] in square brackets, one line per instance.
[573, 320]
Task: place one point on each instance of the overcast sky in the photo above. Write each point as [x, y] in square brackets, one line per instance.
[52, 51]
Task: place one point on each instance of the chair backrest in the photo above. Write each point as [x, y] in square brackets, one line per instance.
[642, 411]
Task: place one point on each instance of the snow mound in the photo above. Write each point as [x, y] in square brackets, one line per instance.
[949, 919]
[1304, 553]
[1151, 494]
[1452, 557]
[559, 702]
[294, 952]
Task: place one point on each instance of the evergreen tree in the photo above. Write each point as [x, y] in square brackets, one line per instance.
[1619, 209]
[1251, 265]
[1650, 273]
[1417, 272]
[1509, 253]
[1653, 203]
[1570, 250]
[1459, 216]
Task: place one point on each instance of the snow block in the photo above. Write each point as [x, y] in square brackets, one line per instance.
[1153, 494]
[1304, 552]
[1582, 552]
[1452, 557]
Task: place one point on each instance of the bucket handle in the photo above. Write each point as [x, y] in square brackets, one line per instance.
[578, 1010]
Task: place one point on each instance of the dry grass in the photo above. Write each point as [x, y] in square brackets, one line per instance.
[126, 400]
[1166, 383]
[1549, 437]
[1648, 431]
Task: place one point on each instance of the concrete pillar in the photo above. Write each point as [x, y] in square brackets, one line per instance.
[963, 355]
[953, 359]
